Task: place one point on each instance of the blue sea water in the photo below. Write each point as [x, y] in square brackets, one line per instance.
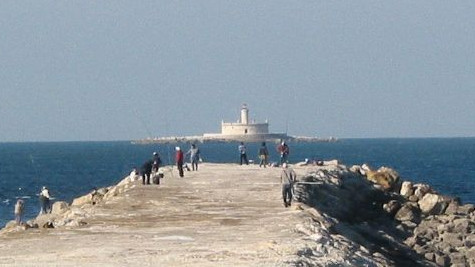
[72, 169]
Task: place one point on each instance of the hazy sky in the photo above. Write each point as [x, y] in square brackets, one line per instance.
[122, 70]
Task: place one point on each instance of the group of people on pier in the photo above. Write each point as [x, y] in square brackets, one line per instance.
[150, 170]
[263, 154]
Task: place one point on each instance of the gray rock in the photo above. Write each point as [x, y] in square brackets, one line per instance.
[469, 242]
[392, 207]
[471, 253]
[408, 213]
[409, 225]
[428, 203]
[407, 189]
[466, 209]
[413, 198]
[452, 208]
[421, 190]
[442, 260]
[454, 239]
[463, 225]
[59, 207]
[429, 256]
[83, 200]
[457, 259]
[411, 241]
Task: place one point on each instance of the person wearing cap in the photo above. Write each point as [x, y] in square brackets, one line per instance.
[45, 200]
[287, 179]
[179, 160]
[19, 211]
[283, 150]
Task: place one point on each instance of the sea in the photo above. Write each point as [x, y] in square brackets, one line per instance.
[73, 169]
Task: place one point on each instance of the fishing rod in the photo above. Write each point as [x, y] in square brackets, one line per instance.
[32, 160]
[149, 133]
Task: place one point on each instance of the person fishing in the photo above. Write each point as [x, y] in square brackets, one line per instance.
[45, 201]
[146, 170]
[194, 153]
[19, 206]
[263, 155]
[283, 150]
[179, 160]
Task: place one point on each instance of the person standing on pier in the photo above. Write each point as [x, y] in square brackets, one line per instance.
[179, 160]
[287, 178]
[146, 170]
[156, 162]
[194, 156]
[283, 150]
[45, 200]
[243, 154]
[19, 211]
[263, 155]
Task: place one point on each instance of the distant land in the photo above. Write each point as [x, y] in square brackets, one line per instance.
[240, 131]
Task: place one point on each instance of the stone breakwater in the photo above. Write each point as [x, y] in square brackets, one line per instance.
[230, 214]
[407, 224]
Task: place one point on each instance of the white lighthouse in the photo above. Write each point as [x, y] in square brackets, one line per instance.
[245, 129]
[244, 114]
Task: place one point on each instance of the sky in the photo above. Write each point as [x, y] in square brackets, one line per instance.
[126, 70]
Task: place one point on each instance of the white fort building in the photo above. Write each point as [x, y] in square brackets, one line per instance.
[245, 130]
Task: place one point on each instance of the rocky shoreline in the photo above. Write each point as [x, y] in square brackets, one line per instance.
[276, 138]
[345, 216]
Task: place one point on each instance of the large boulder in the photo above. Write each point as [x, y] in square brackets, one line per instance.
[407, 189]
[408, 212]
[385, 177]
[59, 207]
[81, 201]
[433, 204]
[392, 207]
[421, 190]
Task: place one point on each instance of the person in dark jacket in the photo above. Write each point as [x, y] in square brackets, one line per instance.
[263, 155]
[156, 162]
[146, 170]
[179, 160]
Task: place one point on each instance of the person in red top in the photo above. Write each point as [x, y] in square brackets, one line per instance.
[283, 150]
[179, 160]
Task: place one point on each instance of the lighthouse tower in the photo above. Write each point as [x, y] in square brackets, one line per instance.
[244, 114]
[245, 129]
[244, 126]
